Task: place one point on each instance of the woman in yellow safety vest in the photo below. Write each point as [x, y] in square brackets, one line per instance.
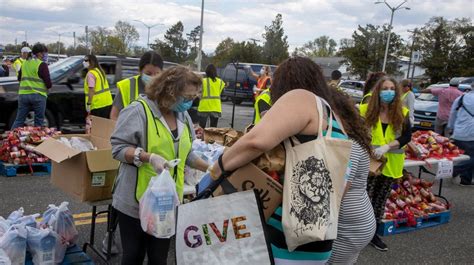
[150, 65]
[96, 88]
[210, 103]
[370, 82]
[152, 130]
[391, 130]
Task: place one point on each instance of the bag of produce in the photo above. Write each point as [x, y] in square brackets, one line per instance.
[61, 221]
[13, 242]
[45, 246]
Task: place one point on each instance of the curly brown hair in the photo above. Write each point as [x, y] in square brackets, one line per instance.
[169, 85]
[394, 109]
[303, 73]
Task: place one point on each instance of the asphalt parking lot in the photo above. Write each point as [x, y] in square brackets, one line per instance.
[451, 243]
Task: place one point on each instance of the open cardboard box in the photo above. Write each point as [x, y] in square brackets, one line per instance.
[87, 176]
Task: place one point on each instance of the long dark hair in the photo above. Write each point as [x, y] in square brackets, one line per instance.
[94, 63]
[371, 80]
[303, 73]
[211, 72]
[150, 57]
[395, 112]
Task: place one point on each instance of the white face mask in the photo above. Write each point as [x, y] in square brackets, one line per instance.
[85, 64]
[262, 71]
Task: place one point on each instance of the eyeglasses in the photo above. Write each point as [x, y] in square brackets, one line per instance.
[189, 97]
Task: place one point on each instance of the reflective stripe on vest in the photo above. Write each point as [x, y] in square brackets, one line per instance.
[128, 90]
[102, 96]
[211, 96]
[160, 141]
[395, 158]
[265, 96]
[30, 82]
[262, 82]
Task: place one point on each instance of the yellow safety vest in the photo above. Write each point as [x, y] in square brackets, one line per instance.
[395, 158]
[160, 141]
[211, 95]
[265, 96]
[364, 97]
[30, 82]
[17, 65]
[102, 96]
[128, 89]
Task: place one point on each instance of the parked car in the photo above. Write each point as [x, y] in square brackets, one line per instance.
[426, 108]
[65, 107]
[465, 83]
[241, 89]
[353, 88]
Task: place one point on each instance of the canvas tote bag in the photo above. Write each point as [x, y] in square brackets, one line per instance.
[314, 185]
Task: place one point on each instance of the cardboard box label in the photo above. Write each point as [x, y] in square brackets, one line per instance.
[98, 179]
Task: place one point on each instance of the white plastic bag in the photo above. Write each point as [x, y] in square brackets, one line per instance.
[81, 144]
[157, 207]
[4, 225]
[15, 215]
[13, 242]
[45, 246]
[4, 259]
[61, 221]
[29, 220]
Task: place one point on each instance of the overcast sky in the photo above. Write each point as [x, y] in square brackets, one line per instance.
[303, 20]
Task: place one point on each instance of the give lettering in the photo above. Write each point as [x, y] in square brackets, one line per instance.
[194, 239]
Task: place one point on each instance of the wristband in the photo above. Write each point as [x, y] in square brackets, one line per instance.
[221, 166]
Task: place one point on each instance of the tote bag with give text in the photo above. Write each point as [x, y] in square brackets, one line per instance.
[314, 185]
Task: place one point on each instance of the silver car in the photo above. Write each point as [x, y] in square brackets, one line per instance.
[353, 88]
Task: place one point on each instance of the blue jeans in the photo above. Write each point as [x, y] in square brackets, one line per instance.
[27, 103]
[465, 168]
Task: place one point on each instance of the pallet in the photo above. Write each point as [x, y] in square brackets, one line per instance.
[74, 255]
[400, 226]
[12, 170]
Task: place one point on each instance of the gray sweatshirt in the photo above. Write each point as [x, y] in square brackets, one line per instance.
[130, 132]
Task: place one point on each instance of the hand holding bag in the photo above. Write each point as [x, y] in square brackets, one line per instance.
[314, 185]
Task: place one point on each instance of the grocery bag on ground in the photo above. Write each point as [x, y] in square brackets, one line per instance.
[61, 221]
[314, 185]
[13, 242]
[4, 259]
[227, 229]
[157, 206]
[45, 246]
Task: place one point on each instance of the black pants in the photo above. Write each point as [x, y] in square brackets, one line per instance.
[136, 243]
[102, 112]
[203, 120]
[378, 189]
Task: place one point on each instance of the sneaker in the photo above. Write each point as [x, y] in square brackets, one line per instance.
[378, 244]
[114, 249]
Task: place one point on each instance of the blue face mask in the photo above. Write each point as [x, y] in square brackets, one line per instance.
[182, 105]
[387, 96]
[146, 79]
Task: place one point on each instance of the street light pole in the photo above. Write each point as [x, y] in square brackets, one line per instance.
[392, 9]
[148, 27]
[411, 51]
[201, 30]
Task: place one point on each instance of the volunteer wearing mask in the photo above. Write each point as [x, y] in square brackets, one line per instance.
[150, 65]
[391, 131]
[96, 88]
[34, 84]
[408, 98]
[25, 51]
[149, 132]
[210, 103]
[264, 79]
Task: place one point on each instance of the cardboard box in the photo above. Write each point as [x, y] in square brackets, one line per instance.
[87, 176]
[251, 177]
[222, 136]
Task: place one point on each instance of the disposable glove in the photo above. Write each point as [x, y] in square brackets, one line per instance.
[157, 162]
[380, 151]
